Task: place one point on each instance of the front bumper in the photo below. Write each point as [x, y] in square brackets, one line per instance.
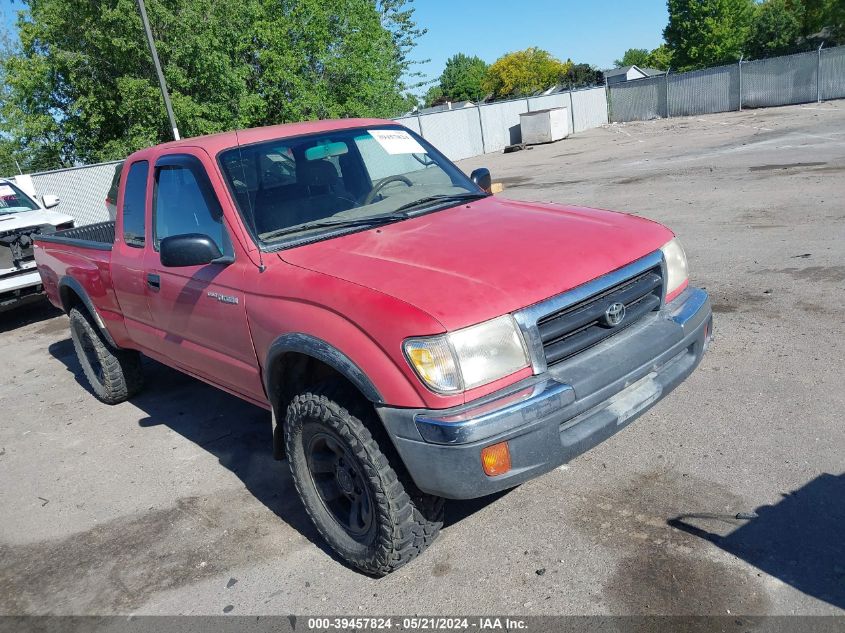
[19, 288]
[551, 418]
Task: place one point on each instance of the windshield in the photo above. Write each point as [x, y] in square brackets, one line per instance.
[292, 188]
[13, 200]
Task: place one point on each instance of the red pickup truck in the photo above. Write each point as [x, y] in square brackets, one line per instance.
[414, 337]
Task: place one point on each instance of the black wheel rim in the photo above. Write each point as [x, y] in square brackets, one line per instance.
[90, 353]
[340, 484]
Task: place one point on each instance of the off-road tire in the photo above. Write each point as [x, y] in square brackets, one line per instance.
[114, 375]
[406, 520]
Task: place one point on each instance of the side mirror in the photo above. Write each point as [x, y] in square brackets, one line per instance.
[190, 249]
[49, 201]
[481, 177]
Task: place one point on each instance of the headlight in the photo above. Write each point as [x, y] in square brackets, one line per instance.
[676, 268]
[470, 357]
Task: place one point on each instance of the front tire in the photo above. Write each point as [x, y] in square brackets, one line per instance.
[349, 488]
[114, 375]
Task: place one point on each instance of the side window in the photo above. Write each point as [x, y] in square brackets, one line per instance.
[185, 203]
[135, 204]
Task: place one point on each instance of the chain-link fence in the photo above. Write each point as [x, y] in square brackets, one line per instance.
[703, 91]
[832, 73]
[82, 190]
[791, 79]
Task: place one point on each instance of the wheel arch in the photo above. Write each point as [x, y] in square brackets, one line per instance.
[72, 294]
[293, 360]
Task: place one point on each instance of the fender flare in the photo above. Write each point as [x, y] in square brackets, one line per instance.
[74, 285]
[320, 350]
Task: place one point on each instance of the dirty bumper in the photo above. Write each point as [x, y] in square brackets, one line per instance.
[549, 419]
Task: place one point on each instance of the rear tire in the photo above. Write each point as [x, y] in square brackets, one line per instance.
[337, 465]
[114, 375]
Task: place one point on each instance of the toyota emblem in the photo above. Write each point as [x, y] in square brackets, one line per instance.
[614, 314]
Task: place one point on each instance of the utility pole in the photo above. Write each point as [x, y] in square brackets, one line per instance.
[161, 83]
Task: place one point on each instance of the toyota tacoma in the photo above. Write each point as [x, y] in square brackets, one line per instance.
[414, 337]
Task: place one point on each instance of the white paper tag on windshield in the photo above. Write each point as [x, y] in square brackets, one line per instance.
[397, 142]
[6, 190]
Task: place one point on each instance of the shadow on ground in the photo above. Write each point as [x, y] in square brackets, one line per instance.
[236, 432]
[20, 316]
[799, 540]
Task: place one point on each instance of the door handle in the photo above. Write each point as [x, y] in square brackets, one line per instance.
[153, 281]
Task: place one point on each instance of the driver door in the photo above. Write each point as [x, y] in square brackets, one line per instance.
[199, 312]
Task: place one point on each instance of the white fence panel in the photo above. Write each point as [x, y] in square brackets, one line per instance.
[558, 100]
[410, 122]
[456, 133]
[589, 108]
[500, 122]
[82, 190]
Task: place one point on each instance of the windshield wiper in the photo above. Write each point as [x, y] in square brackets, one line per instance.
[443, 196]
[351, 222]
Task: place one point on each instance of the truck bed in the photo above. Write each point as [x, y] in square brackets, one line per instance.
[99, 236]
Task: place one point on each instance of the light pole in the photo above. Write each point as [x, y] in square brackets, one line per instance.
[161, 83]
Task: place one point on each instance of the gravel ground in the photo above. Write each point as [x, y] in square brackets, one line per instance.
[172, 503]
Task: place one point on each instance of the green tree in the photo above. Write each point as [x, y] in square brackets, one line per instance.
[776, 29]
[660, 58]
[81, 87]
[581, 75]
[704, 33]
[434, 96]
[463, 78]
[633, 57]
[524, 72]
[397, 16]
[824, 20]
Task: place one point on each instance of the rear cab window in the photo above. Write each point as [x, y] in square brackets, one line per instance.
[135, 204]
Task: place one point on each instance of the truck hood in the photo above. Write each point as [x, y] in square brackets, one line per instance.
[36, 217]
[477, 261]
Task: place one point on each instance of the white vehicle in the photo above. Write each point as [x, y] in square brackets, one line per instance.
[21, 218]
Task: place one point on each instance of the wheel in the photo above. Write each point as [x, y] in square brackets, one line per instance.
[114, 374]
[350, 490]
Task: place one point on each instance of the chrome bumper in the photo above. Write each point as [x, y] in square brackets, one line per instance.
[555, 416]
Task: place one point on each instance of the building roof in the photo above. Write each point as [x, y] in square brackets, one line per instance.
[623, 70]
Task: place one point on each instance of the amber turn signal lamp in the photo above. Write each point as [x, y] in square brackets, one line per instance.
[496, 459]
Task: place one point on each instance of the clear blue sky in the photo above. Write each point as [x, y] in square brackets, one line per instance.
[594, 32]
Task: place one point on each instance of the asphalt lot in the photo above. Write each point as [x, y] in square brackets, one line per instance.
[172, 503]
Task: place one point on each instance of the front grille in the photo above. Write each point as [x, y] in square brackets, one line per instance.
[584, 324]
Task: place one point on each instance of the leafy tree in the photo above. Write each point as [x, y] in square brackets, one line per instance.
[434, 96]
[704, 33]
[633, 57]
[776, 29]
[824, 20]
[580, 75]
[82, 88]
[660, 58]
[463, 77]
[524, 72]
[397, 16]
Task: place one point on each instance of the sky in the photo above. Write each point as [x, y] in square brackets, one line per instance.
[594, 32]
